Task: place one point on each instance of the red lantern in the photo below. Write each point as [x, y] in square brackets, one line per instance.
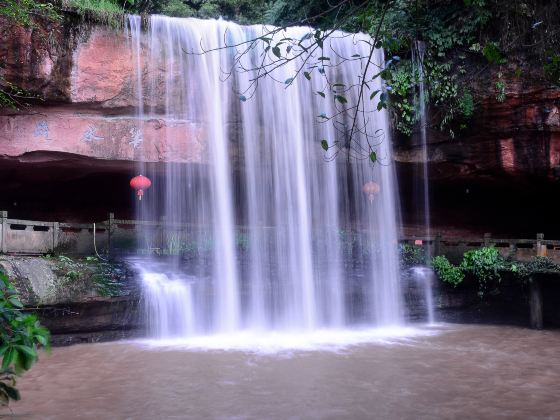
[370, 189]
[140, 183]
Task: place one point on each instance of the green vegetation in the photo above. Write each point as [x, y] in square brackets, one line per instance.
[241, 11]
[536, 265]
[20, 337]
[486, 266]
[106, 12]
[97, 6]
[552, 67]
[411, 255]
[89, 273]
[446, 271]
[24, 12]
[21, 13]
[12, 96]
[110, 11]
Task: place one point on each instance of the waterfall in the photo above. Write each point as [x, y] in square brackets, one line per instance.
[422, 187]
[273, 236]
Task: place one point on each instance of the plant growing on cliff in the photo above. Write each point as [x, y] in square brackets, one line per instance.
[466, 104]
[20, 337]
[21, 13]
[536, 265]
[89, 273]
[500, 89]
[412, 255]
[484, 264]
[446, 271]
[552, 67]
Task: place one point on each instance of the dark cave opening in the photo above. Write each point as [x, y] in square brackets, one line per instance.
[71, 188]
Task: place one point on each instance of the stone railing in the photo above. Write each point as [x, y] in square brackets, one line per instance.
[118, 236]
[37, 237]
[129, 236]
[518, 249]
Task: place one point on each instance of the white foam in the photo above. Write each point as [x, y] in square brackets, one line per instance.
[268, 342]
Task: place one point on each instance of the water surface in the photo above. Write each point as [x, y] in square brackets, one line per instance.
[463, 372]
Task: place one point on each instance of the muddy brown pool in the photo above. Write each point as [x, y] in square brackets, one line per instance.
[462, 372]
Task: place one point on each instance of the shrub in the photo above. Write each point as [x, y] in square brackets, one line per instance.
[20, 336]
[411, 255]
[535, 265]
[446, 271]
[466, 104]
[484, 264]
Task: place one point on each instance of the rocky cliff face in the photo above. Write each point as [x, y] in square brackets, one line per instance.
[85, 77]
[70, 154]
[497, 175]
[72, 300]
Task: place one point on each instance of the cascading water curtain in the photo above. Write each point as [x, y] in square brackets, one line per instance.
[278, 238]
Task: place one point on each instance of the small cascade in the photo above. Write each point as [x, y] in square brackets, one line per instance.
[273, 236]
[168, 302]
[425, 276]
[422, 187]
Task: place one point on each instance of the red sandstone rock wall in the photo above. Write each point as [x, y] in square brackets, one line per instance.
[518, 137]
[85, 77]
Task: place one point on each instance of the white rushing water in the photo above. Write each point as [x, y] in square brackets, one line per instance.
[277, 237]
[422, 187]
[425, 276]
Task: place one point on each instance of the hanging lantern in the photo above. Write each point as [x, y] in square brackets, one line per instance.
[140, 183]
[370, 189]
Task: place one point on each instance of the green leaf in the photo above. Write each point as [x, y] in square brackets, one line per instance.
[28, 351]
[41, 339]
[289, 81]
[375, 92]
[340, 99]
[9, 358]
[321, 93]
[11, 392]
[323, 58]
[324, 145]
[307, 75]
[373, 157]
[242, 98]
[276, 51]
[14, 300]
